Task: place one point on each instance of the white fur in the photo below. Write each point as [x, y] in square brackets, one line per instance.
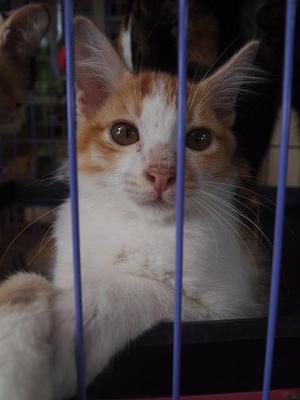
[25, 352]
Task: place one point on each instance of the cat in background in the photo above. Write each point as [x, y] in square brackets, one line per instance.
[21, 32]
[148, 40]
[127, 177]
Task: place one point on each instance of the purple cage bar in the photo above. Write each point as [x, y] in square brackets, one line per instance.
[79, 334]
[180, 162]
[290, 20]
[286, 106]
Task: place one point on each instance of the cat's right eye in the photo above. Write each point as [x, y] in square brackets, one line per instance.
[124, 134]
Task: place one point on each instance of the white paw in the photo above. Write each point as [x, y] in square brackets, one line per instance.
[24, 338]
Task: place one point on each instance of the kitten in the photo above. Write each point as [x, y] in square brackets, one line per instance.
[148, 40]
[21, 32]
[127, 152]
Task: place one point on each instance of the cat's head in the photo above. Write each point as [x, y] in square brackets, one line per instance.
[127, 126]
[21, 32]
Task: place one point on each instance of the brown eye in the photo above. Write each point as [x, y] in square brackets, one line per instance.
[198, 139]
[124, 134]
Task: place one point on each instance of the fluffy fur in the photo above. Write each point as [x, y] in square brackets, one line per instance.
[127, 226]
[25, 327]
[21, 32]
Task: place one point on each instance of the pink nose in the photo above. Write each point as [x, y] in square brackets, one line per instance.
[161, 179]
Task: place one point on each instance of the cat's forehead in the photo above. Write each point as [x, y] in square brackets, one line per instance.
[158, 113]
[149, 101]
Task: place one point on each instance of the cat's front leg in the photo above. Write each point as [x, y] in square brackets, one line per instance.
[116, 310]
[25, 325]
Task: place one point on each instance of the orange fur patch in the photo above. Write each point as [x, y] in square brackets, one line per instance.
[124, 104]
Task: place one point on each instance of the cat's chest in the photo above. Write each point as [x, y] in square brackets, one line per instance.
[113, 243]
[140, 245]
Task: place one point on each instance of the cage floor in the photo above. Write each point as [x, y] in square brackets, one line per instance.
[217, 357]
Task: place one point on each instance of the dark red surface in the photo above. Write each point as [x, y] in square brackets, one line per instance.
[285, 394]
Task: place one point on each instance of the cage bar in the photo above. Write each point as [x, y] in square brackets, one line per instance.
[73, 179]
[180, 163]
[281, 191]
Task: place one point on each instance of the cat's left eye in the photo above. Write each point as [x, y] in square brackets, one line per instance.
[198, 139]
[124, 134]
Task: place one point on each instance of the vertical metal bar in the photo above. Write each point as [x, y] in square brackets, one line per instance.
[182, 44]
[281, 191]
[79, 337]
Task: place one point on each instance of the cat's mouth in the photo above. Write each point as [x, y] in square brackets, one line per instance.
[154, 200]
[159, 202]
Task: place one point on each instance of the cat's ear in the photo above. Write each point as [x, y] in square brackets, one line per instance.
[23, 29]
[233, 78]
[98, 67]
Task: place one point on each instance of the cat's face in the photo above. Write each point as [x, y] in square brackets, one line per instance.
[21, 31]
[127, 125]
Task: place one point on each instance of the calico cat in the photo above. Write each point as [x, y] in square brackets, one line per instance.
[21, 32]
[148, 40]
[127, 151]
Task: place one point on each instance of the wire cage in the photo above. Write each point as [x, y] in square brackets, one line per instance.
[199, 360]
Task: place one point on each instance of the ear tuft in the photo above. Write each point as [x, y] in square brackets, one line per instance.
[236, 76]
[98, 67]
[24, 29]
